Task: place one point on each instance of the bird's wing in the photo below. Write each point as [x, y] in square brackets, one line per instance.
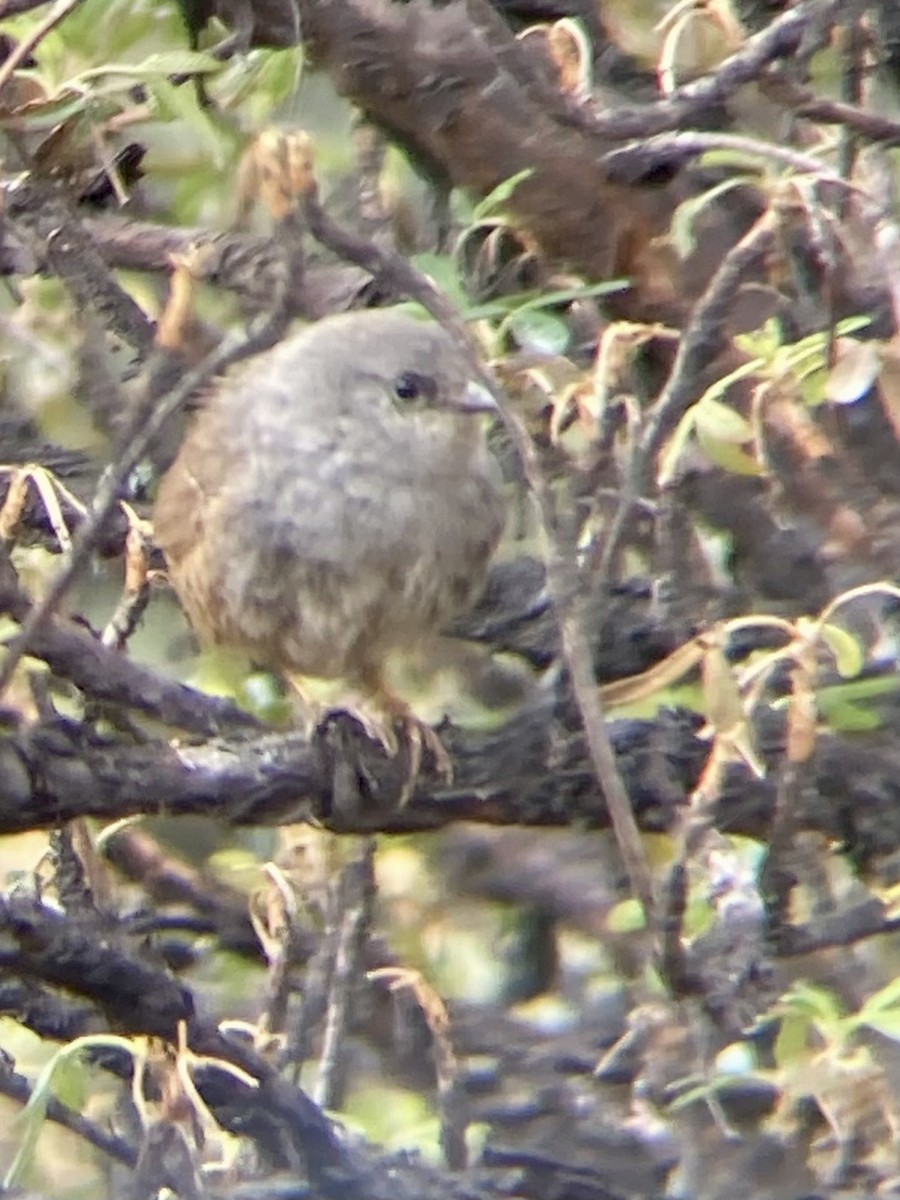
[187, 497]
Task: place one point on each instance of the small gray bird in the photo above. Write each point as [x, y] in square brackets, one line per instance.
[334, 501]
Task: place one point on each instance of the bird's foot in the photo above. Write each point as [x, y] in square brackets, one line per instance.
[386, 719]
[382, 717]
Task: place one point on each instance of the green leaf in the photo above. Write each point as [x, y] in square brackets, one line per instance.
[815, 1003]
[626, 917]
[849, 656]
[721, 423]
[884, 999]
[504, 306]
[170, 62]
[31, 1119]
[180, 104]
[543, 332]
[812, 387]
[442, 270]
[887, 1024]
[852, 325]
[727, 455]
[844, 717]
[761, 343]
[717, 390]
[732, 158]
[791, 1041]
[870, 688]
[62, 107]
[566, 295]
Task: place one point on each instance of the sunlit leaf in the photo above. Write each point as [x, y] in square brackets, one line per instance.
[728, 456]
[721, 423]
[170, 62]
[791, 1043]
[885, 998]
[760, 343]
[849, 656]
[887, 1024]
[844, 717]
[626, 917]
[812, 1001]
[812, 386]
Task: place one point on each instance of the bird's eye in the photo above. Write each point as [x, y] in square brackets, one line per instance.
[408, 387]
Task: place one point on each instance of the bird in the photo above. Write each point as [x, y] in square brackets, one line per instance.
[333, 502]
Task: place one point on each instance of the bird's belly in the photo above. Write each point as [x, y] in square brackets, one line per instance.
[392, 577]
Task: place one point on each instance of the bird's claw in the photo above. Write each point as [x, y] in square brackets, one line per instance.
[419, 737]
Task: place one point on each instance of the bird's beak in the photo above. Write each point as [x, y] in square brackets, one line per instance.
[476, 399]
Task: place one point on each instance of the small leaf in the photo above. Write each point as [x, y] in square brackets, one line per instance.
[885, 998]
[844, 717]
[543, 332]
[728, 456]
[812, 387]
[626, 917]
[505, 305]
[442, 270]
[748, 161]
[791, 1042]
[848, 654]
[171, 62]
[47, 114]
[721, 695]
[763, 343]
[31, 1119]
[887, 1024]
[721, 423]
[180, 104]
[815, 1003]
[852, 325]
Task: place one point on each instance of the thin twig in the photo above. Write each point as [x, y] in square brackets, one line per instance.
[576, 652]
[873, 126]
[61, 9]
[699, 344]
[357, 890]
[665, 146]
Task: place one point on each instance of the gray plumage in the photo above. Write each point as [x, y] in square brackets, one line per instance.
[334, 499]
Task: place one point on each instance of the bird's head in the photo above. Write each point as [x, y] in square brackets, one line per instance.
[407, 368]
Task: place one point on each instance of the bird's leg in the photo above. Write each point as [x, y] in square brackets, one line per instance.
[313, 710]
[307, 710]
